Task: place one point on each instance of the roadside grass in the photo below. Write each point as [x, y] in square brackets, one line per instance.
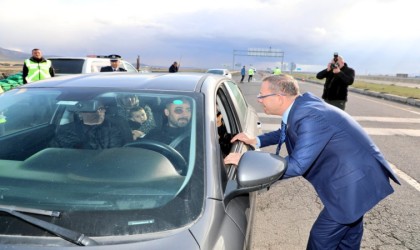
[10, 68]
[381, 88]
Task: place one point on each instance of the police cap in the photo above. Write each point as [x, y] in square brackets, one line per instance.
[114, 57]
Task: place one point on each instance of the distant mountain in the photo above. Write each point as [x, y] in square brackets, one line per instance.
[12, 55]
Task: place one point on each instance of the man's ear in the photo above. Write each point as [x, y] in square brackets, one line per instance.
[166, 112]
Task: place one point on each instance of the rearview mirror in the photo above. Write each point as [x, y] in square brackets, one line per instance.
[82, 106]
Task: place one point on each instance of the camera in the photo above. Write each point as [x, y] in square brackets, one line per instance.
[335, 56]
[335, 64]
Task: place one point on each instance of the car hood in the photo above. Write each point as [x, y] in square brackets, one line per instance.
[180, 240]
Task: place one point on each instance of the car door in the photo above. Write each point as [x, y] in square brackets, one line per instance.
[238, 116]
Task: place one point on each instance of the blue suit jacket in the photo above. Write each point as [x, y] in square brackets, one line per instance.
[332, 151]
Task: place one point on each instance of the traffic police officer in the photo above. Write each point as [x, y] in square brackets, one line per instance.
[37, 68]
[115, 64]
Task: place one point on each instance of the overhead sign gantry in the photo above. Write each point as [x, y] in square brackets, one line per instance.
[259, 52]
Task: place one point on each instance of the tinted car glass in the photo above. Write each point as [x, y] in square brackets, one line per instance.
[67, 66]
[129, 67]
[215, 71]
[239, 99]
[133, 188]
[96, 65]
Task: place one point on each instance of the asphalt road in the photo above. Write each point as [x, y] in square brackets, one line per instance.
[286, 212]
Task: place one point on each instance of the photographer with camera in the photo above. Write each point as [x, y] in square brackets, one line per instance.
[338, 77]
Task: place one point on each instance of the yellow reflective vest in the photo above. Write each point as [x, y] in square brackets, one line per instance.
[37, 71]
[277, 71]
[251, 72]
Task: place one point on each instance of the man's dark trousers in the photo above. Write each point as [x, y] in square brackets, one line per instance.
[328, 234]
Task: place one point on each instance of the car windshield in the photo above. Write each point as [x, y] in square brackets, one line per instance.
[111, 162]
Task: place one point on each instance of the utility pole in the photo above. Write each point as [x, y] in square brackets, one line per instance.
[138, 63]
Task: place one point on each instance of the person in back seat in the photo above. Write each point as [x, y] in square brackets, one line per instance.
[129, 101]
[140, 122]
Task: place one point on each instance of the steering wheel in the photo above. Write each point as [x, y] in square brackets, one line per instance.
[172, 154]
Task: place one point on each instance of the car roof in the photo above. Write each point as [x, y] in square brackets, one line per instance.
[149, 81]
[82, 58]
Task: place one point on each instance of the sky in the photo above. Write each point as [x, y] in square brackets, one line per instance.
[373, 36]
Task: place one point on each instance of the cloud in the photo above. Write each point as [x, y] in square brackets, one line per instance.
[375, 36]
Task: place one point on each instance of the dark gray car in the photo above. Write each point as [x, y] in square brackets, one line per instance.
[66, 182]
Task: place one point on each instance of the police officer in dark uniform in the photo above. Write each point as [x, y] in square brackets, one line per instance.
[115, 64]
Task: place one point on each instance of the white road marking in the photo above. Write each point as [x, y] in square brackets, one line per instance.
[264, 115]
[381, 102]
[371, 131]
[361, 118]
[387, 119]
[392, 131]
[405, 177]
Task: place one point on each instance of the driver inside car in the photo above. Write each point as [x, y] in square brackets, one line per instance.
[175, 132]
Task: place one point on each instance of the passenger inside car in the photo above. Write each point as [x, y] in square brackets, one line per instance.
[140, 122]
[91, 129]
[224, 136]
[127, 101]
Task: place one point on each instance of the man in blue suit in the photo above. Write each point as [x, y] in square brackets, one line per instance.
[332, 151]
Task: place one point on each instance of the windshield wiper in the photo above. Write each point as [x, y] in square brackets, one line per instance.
[67, 234]
[32, 210]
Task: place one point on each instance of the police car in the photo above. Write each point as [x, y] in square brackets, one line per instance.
[88, 64]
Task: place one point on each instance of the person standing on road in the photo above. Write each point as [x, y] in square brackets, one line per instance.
[243, 74]
[327, 147]
[338, 77]
[174, 67]
[277, 71]
[115, 64]
[250, 74]
[37, 68]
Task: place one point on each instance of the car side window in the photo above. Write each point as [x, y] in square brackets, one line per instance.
[238, 100]
[225, 122]
[97, 65]
[26, 114]
[129, 67]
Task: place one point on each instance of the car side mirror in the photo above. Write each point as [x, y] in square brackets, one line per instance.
[256, 170]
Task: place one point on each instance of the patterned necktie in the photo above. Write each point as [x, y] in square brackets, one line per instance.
[282, 137]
